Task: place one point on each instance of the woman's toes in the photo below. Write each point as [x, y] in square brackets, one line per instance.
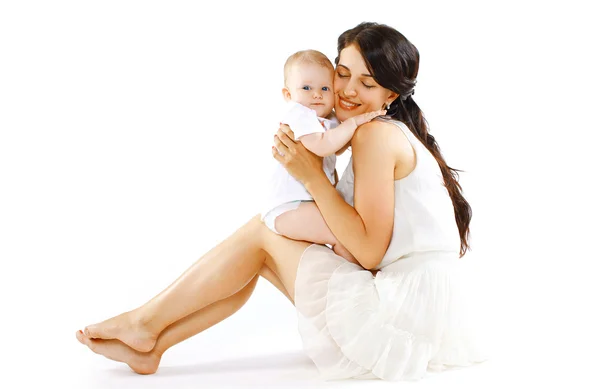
[86, 341]
[94, 331]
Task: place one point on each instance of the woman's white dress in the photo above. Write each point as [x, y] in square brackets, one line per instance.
[409, 317]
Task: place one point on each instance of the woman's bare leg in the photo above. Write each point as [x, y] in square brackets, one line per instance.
[293, 224]
[222, 272]
[270, 276]
[148, 362]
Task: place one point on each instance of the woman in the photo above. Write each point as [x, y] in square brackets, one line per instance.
[403, 218]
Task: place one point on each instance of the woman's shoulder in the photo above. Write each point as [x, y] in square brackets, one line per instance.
[380, 133]
[385, 142]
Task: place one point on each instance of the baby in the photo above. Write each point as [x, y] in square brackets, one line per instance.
[308, 90]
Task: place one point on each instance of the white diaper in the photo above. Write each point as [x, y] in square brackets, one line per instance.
[269, 218]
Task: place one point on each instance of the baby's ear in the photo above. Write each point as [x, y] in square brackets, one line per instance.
[286, 94]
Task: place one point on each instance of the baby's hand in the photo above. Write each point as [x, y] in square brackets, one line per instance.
[367, 117]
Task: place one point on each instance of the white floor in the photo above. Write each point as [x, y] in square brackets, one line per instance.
[282, 370]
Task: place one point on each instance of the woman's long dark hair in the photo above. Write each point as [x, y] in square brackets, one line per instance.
[394, 63]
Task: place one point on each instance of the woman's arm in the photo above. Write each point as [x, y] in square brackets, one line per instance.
[367, 229]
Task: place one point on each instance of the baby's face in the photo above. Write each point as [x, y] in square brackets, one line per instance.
[312, 86]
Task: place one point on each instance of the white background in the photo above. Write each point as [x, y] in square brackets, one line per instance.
[134, 136]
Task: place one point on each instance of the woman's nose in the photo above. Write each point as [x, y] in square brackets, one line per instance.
[349, 90]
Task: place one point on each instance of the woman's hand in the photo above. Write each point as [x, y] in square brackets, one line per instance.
[295, 158]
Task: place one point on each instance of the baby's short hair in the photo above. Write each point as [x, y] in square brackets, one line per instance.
[305, 56]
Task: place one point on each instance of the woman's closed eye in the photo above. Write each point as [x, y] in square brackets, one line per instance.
[340, 75]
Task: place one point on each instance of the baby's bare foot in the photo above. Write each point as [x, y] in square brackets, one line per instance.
[141, 363]
[125, 327]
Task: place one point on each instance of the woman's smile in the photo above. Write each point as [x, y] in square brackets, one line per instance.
[347, 105]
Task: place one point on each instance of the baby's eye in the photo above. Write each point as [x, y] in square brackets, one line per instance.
[325, 88]
[306, 87]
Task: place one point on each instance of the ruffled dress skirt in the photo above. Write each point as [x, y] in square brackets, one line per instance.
[406, 320]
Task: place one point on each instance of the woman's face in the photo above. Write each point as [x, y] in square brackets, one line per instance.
[355, 89]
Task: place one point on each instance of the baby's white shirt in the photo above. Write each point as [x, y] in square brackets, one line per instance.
[282, 187]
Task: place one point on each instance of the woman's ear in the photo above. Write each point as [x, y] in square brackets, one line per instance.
[392, 96]
[286, 94]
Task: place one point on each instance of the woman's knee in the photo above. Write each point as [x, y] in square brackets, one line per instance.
[254, 229]
[255, 222]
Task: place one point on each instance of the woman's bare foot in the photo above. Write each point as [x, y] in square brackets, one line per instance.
[127, 328]
[141, 363]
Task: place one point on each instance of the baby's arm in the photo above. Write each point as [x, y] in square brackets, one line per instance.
[326, 143]
[341, 151]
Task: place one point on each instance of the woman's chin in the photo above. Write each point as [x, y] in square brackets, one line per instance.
[342, 115]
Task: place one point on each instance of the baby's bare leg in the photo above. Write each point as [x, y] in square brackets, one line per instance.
[306, 223]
